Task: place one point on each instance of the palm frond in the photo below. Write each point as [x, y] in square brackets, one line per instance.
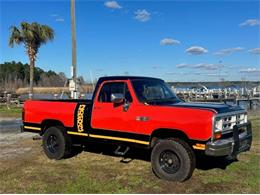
[27, 32]
[47, 33]
[16, 36]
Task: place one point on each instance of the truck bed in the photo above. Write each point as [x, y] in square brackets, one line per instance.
[37, 111]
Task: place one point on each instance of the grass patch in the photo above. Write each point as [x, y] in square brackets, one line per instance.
[14, 111]
[255, 119]
[98, 173]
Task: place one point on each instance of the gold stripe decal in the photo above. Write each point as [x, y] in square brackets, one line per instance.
[109, 137]
[76, 133]
[119, 139]
[33, 128]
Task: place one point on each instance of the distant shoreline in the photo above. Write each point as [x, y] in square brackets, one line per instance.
[240, 84]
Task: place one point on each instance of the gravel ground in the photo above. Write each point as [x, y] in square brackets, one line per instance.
[10, 135]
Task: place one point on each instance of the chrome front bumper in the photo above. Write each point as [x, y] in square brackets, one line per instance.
[240, 142]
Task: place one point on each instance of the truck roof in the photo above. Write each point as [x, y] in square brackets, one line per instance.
[101, 79]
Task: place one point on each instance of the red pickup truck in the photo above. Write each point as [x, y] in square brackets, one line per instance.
[141, 112]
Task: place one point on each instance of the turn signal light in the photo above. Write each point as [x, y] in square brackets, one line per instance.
[199, 146]
[217, 135]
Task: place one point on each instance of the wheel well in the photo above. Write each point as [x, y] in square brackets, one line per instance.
[167, 133]
[49, 123]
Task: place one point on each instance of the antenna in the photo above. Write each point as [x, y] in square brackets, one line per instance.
[92, 81]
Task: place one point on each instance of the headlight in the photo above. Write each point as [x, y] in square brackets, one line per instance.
[242, 118]
[226, 123]
[218, 124]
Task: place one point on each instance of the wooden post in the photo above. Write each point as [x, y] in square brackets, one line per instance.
[8, 101]
[250, 104]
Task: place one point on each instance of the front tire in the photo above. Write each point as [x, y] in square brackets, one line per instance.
[56, 143]
[173, 160]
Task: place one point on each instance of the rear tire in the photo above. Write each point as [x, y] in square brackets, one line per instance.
[173, 160]
[56, 143]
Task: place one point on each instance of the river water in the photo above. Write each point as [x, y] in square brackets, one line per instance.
[246, 104]
[10, 126]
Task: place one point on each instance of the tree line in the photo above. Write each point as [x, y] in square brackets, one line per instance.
[14, 75]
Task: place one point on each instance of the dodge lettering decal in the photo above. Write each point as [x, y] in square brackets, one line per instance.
[80, 116]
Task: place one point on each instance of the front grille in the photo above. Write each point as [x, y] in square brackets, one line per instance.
[230, 134]
[230, 121]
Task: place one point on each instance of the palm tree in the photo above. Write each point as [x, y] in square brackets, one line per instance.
[32, 36]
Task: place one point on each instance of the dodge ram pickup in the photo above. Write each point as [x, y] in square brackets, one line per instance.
[141, 112]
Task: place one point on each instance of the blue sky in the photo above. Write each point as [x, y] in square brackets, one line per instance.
[173, 40]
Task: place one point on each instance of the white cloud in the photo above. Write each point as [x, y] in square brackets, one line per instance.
[54, 15]
[228, 51]
[250, 22]
[156, 67]
[59, 19]
[196, 50]
[254, 51]
[213, 74]
[250, 70]
[177, 73]
[208, 66]
[183, 65]
[112, 5]
[169, 41]
[142, 15]
[203, 66]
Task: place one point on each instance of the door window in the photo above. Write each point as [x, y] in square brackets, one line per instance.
[115, 87]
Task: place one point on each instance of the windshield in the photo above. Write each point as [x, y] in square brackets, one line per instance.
[154, 92]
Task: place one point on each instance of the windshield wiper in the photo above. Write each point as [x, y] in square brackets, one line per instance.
[163, 100]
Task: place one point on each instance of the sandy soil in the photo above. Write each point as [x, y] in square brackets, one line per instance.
[9, 144]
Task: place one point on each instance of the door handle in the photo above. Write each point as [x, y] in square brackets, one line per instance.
[97, 108]
[142, 118]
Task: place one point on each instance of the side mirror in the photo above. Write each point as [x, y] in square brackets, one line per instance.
[117, 98]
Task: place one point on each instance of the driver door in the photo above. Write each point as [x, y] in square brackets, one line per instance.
[106, 114]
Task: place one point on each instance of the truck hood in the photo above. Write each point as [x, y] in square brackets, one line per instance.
[218, 107]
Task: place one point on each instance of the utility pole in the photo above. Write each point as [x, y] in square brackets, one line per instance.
[73, 85]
